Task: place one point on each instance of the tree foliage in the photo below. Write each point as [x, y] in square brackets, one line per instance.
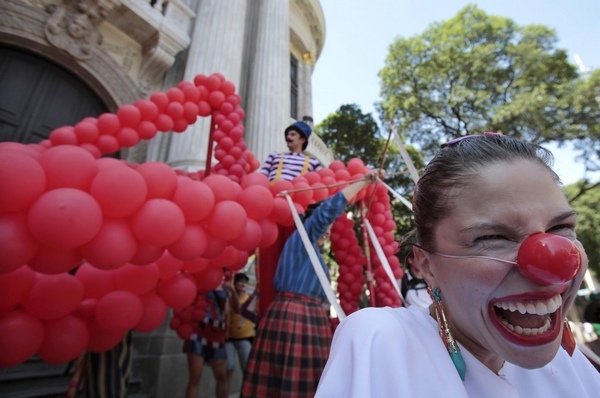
[350, 133]
[476, 72]
[588, 228]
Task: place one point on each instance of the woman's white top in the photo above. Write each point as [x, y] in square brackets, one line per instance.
[397, 352]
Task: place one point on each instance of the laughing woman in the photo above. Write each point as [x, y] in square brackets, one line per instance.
[496, 242]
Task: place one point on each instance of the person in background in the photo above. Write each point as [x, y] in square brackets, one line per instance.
[240, 330]
[207, 344]
[412, 286]
[282, 166]
[293, 337]
[486, 209]
[287, 165]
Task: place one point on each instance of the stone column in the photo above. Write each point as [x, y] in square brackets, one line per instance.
[268, 96]
[217, 46]
[306, 106]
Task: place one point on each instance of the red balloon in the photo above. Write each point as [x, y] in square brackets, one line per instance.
[22, 335]
[102, 340]
[68, 166]
[193, 266]
[136, 279]
[223, 188]
[108, 144]
[161, 100]
[155, 312]
[22, 181]
[65, 217]
[108, 124]
[250, 238]
[281, 185]
[96, 282]
[175, 95]
[127, 137]
[148, 109]
[17, 245]
[227, 220]
[356, 166]
[216, 99]
[55, 260]
[164, 122]
[32, 150]
[64, 340]
[257, 201]
[87, 131]
[270, 232]
[63, 136]
[204, 108]
[281, 210]
[129, 116]
[209, 279]
[147, 254]
[168, 266]
[15, 287]
[255, 179]
[192, 243]
[312, 177]
[119, 191]
[226, 258]
[119, 311]
[160, 179]
[54, 296]
[86, 311]
[158, 222]
[214, 247]
[177, 292]
[195, 198]
[112, 247]
[147, 130]
[303, 198]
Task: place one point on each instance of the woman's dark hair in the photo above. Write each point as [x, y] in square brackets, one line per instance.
[454, 167]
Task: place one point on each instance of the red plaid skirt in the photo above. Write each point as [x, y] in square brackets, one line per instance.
[290, 349]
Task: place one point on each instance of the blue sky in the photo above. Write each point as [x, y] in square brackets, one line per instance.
[358, 33]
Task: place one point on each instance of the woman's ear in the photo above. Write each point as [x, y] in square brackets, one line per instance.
[422, 264]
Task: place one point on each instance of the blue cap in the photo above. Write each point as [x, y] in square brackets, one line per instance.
[303, 129]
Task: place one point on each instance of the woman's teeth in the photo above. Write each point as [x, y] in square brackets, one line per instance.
[535, 308]
[528, 331]
[517, 312]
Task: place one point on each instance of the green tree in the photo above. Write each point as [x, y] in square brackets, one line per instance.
[477, 72]
[588, 228]
[350, 133]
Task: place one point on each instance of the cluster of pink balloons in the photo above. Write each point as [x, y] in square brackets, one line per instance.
[94, 247]
[381, 219]
[351, 260]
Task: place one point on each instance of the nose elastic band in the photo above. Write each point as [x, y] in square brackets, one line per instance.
[547, 259]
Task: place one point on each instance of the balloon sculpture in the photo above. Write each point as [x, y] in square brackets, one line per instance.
[94, 247]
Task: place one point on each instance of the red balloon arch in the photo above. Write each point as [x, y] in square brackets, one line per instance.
[94, 247]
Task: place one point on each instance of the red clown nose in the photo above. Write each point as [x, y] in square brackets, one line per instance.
[548, 259]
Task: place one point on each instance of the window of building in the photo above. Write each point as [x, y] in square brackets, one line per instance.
[294, 88]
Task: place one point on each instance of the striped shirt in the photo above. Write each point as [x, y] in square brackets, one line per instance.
[293, 163]
[295, 273]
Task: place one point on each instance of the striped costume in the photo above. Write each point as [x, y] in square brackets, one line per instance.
[286, 166]
[293, 338]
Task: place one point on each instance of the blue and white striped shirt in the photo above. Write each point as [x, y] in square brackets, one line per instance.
[295, 273]
[293, 163]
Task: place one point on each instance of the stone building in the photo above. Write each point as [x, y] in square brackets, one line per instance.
[63, 60]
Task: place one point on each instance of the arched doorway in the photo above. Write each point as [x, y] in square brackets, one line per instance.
[37, 96]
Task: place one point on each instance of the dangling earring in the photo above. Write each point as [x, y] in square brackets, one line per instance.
[568, 340]
[449, 342]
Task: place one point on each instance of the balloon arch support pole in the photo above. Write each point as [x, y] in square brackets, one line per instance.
[209, 150]
[363, 211]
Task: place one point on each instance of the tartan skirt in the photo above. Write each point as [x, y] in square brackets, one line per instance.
[290, 349]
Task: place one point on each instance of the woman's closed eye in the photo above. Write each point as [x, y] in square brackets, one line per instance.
[567, 230]
[490, 237]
